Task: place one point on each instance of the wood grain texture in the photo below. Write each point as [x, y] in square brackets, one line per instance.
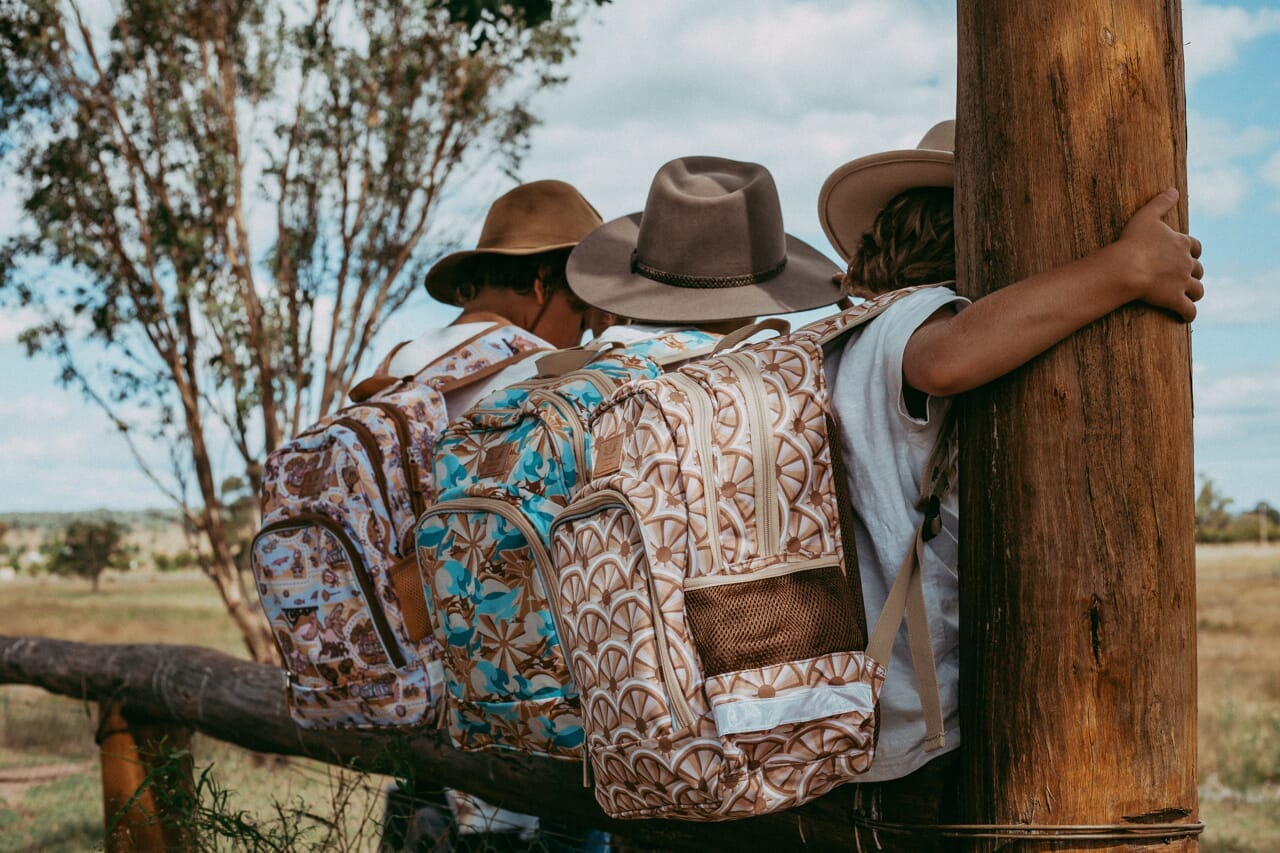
[242, 702]
[1077, 485]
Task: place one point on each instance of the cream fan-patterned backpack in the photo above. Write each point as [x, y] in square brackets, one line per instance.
[708, 595]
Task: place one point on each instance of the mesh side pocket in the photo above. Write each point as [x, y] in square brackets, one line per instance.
[772, 620]
[413, 602]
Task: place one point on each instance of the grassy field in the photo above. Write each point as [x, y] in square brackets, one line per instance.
[50, 796]
[50, 788]
[1238, 597]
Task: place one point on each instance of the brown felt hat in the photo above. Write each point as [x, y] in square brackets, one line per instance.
[855, 193]
[709, 245]
[536, 217]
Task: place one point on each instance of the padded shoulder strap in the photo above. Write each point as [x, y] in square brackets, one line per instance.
[906, 598]
[479, 357]
[495, 347]
[673, 347]
[828, 329]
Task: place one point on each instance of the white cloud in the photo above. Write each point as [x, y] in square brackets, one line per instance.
[1231, 301]
[1242, 392]
[1217, 190]
[1271, 170]
[798, 87]
[1214, 35]
[1220, 160]
[1237, 419]
[65, 455]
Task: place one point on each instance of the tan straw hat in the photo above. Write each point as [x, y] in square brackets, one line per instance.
[540, 216]
[709, 245]
[857, 191]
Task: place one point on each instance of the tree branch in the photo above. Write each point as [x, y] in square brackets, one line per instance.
[240, 702]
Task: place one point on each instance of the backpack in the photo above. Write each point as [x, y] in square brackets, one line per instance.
[333, 561]
[708, 595]
[503, 471]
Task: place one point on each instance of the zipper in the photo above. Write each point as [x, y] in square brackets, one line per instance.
[602, 383]
[777, 570]
[366, 438]
[681, 713]
[401, 422]
[768, 536]
[358, 568]
[577, 437]
[541, 557]
[370, 443]
[703, 415]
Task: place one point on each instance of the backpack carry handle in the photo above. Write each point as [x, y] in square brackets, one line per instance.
[564, 361]
[370, 386]
[737, 336]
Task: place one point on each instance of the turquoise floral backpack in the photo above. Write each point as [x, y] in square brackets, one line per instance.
[502, 471]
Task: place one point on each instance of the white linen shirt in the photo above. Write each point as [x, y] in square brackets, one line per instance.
[885, 452]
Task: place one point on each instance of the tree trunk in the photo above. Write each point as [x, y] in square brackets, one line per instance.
[1077, 572]
[242, 702]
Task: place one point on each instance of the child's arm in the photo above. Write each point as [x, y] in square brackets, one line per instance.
[955, 352]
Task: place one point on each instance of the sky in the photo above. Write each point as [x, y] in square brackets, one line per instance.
[801, 86]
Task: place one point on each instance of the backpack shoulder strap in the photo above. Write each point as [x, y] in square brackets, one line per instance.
[906, 597]
[495, 347]
[498, 346]
[827, 329]
[678, 346]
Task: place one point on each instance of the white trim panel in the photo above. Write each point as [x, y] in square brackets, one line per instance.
[797, 706]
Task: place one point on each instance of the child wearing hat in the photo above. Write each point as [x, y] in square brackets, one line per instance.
[889, 215]
[514, 277]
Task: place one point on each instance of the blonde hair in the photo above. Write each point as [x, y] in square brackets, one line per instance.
[912, 241]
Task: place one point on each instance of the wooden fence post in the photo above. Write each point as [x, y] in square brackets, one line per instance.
[143, 814]
[1078, 567]
[1078, 597]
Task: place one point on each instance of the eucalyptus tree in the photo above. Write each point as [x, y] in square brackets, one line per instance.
[224, 200]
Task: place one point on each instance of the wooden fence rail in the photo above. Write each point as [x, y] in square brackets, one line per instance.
[241, 702]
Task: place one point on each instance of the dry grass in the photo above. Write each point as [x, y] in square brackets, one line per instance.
[47, 732]
[133, 607]
[1239, 703]
[1238, 598]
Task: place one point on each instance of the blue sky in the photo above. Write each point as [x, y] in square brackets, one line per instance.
[802, 87]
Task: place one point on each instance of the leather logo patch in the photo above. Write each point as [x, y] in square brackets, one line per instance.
[496, 462]
[313, 481]
[608, 455]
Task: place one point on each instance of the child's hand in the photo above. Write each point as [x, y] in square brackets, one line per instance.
[1162, 264]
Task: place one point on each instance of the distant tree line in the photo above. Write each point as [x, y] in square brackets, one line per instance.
[1215, 522]
[86, 544]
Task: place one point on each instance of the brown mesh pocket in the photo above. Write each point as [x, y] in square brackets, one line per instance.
[413, 602]
[772, 620]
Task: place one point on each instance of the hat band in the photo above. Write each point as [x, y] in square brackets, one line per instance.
[681, 280]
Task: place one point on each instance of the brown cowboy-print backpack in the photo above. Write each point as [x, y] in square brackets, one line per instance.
[334, 560]
[708, 594]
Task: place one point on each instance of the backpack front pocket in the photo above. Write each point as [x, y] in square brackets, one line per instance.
[482, 556]
[344, 664]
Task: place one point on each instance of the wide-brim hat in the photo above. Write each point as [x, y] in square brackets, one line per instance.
[540, 216]
[709, 245]
[854, 194]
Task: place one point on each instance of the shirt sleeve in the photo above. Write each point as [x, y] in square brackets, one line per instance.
[878, 349]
